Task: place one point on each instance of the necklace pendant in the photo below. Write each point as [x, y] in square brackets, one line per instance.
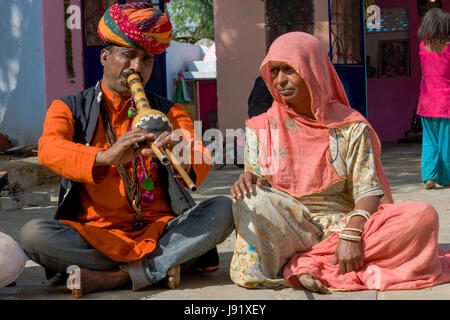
[130, 113]
[148, 197]
[148, 184]
[153, 165]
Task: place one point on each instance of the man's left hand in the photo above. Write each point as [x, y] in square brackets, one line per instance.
[164, 141]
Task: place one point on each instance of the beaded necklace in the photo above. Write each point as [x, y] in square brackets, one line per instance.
[146, 180]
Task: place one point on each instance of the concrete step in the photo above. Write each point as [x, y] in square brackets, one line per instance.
[29, 184]
[27, 172]
[25, 199]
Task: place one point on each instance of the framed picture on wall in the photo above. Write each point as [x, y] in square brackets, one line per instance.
[393, 58]
[425, 5]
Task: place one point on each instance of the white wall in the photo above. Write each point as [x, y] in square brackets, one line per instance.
[177, 58]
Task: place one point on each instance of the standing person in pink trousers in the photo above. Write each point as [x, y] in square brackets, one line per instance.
[434, 100]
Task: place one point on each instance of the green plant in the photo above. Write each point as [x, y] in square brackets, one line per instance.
[192, 20]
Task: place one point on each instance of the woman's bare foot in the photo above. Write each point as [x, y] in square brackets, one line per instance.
[83, 281]
[311, 284]
[430, 184]
[173, 277]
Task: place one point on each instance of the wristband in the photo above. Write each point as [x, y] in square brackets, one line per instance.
[349, 237]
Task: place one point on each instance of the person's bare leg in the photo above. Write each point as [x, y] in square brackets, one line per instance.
[311, 284]
[96, 281]
[173, 277]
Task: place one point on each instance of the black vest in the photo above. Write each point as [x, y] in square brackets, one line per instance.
[85, 107]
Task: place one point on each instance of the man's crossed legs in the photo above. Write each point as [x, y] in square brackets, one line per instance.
[186, 239]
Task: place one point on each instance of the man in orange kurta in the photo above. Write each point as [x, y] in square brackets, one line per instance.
[94, 231]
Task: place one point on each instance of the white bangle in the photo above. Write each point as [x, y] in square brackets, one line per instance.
[349, 237]
[363, 213]
[352, 229]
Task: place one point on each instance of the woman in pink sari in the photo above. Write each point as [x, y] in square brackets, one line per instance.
[314, 207]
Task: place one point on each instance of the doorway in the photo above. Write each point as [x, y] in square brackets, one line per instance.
[346, 38]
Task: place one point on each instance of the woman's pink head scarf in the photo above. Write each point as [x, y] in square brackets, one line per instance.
[299, 145]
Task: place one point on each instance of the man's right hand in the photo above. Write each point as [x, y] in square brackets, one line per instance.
[244, 185]
[123, 151]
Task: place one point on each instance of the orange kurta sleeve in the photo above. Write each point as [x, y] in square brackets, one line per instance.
[106, 215]
[200, 156]
[59, 153]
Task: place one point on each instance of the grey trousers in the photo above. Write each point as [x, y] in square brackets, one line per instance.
[56, 245]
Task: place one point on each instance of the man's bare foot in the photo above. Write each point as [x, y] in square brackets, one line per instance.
[311, 284]
[173, 277]
[83, 281]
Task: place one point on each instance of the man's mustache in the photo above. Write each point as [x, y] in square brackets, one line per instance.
[126, 73]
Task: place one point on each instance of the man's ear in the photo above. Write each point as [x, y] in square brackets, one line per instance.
[104, 56]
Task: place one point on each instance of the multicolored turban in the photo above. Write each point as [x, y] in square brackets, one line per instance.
[136, 25]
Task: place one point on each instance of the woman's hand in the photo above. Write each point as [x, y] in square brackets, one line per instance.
[244, 185]
[349, 255]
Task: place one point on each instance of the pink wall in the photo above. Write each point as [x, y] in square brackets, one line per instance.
[392, 101]
[56, 78]
[207, 100]
[240, 49]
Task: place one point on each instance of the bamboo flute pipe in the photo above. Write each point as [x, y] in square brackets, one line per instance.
[174, 161]
[144, 110]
